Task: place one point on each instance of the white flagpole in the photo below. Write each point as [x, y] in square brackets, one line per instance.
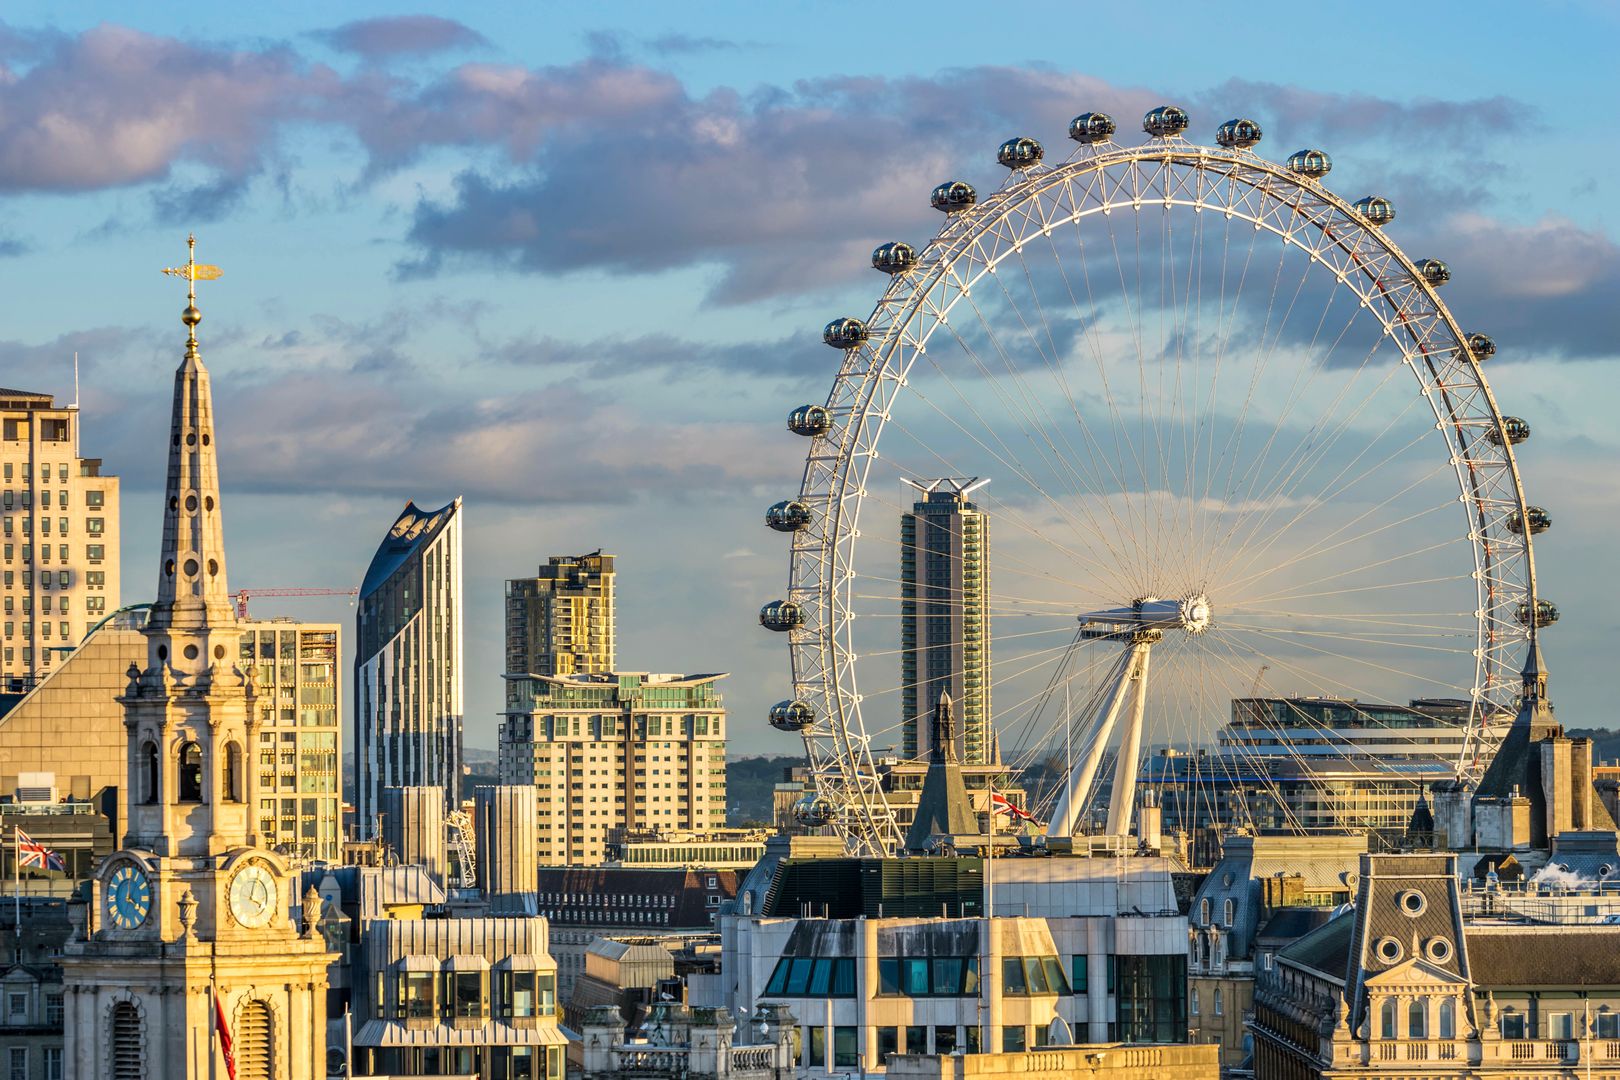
[16, 881]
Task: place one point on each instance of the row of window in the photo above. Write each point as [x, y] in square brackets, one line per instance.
[95, 579]
[51, 430]
[92, 604]
[917, 976]
[9, 499]
[94, 526]
[19, 1066]
[464, 995]
[843, 1050]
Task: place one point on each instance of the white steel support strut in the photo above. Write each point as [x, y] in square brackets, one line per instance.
[1123, 800]
[1078, 784]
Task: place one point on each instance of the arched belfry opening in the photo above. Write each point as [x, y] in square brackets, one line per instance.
[191, 773]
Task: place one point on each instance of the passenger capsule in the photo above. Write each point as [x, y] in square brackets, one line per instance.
[809, 421]
[1238, 134]
[792, 716]
[1546, 614]
[1433, 271]
[1164, 122]
[789, 515]
[781, 615]
[1481, 346]
[1540, 521]
[1514, 429]
[844, 333]
[1092, 127]
[952, 196]
[895, 257]
[813, 812]
[1376, 210]
[1313, 164]
[1020, 153]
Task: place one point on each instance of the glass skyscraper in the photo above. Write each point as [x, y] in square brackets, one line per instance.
[945, 616]
[408, 662]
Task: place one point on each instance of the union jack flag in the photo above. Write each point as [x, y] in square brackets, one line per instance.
[1004, 805]
[32, 853]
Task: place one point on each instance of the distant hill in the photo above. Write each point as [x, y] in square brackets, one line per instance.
[749, 782]
[1605, 743]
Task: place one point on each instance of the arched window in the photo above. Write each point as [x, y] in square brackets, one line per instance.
[1417, 1019]
[1220, 1002]
[1386, 1019]
[191, 773]
[1226, 912]
[1203, 911]
[149, 772]
[1448, 1019]
[128, 1056]
[233, 772]
[253, 1042]
[1192, 1001]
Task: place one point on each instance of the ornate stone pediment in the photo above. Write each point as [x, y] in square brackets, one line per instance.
[1415, 975]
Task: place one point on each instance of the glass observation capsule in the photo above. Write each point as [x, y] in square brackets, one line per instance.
[813, 812]
[1313, 164]
[810, 421]
[1376, 210]
[1433, 271]
[1546, 614]
[1020, 153]
[1165, 121]
[895, 257]
[953, 195]
[1539, 521]
[1238, 134]
[791, 716]
[1514, 429]
[844, 333]
[789, 515]
[1481, 346]
[1092, 127]
[781, 615]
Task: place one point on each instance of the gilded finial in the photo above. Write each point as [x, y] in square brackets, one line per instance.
[193, 272]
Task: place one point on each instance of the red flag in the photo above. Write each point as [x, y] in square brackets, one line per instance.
[224, 1036]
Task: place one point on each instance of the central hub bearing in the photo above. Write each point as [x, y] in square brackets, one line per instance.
[1148, 617]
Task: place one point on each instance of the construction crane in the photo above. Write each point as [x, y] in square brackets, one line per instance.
[459, 823]
[243, 595]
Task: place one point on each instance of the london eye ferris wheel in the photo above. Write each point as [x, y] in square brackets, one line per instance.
[1202, 418]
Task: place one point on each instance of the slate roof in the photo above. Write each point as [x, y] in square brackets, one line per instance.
[1325, 949]
[1293, 923]
[1544, 956]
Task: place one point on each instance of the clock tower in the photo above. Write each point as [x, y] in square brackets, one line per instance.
[192, 905]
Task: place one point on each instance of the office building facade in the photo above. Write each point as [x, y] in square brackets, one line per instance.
[58, 538]
[945, 616]
[560, 622]
[408, 662]
[300, 750]
[619, 751]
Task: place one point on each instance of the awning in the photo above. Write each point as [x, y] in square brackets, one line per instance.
[389, 1033]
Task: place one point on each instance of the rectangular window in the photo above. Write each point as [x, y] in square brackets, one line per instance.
[1012, 975]
[1513, 1025]
[945, 1039]
[947, 981]
[1608, 1025]
[888, 1042]
[888, 971]
[53, 1009]
[914, 976]
[1560, 1025]
[467, 988]
[17, 1006]
[18, 1059]
[846, 1049]
[53, 1063]
[416, 995]
[1012, 1040]
[1078, 968]
[818, 1047]
[916, 1039]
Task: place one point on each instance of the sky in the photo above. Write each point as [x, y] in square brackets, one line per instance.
[571, 262]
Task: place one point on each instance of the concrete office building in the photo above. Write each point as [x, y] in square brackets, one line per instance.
[58, 537]
[408, 663]
[560, 622]
[300, 751]
[505, 824]
[617, 751]
[945, 616]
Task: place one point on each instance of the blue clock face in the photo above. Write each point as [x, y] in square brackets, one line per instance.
[128, 897]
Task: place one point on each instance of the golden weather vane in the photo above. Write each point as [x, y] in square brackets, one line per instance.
[193, 272]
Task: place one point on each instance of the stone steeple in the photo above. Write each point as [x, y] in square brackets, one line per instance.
[944, 815]
[192, 627]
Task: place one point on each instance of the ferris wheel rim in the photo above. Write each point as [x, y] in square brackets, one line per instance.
[822, 565]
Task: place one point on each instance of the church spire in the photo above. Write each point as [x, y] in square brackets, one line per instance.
[192, 596]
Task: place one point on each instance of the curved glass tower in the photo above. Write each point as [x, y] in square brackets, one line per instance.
[407, 662]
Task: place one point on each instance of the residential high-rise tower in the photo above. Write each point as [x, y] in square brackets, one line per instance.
[407, 662]
[58, 538]
[560, 622]
[945, 616]
[300, 750]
